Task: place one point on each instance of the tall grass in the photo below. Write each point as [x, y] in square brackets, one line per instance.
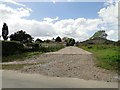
[50, 48]
[106, 55]
[20, 57]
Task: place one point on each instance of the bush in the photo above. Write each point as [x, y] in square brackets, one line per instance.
[43, 47]
[70, 42]
[11, 47]
[91, 43]
[89, 47]
[50, 48]
[36, 47]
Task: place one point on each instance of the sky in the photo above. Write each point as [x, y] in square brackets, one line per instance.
[45, 20]
[64, 10]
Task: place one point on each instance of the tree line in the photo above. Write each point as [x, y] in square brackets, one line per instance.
[24, 37]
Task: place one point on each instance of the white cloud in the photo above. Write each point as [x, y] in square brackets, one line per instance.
[14, 2]
[109, 14]
[79, 28]
[46, 28]
[111, 2]
[109, 17]
[10, 13]
[54, 1]
[50, 19]
[112, 34]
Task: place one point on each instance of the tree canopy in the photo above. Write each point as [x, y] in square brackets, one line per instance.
[5, 31]
[65, 39]
[38, 40]
[70, 42]
[58, 39]
[47, 41]
[21, 36]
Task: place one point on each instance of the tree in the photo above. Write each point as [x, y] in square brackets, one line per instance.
[58, 39]
[21, 36]
[53, 40]
[38, 40]
[65, 39]
[70, 42]
[47, 41]
[5, 31]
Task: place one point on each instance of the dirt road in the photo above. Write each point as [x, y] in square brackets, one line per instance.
[70, 62]
[68, 67]
[71, 51]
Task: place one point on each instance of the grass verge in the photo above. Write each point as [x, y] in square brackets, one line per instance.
[20, 57]
[13, 66]
[18, 66]
[106, 55]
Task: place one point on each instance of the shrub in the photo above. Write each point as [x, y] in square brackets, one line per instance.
[11, 47]
[91, 43]
[36, 47]
[58, 39]
[89, 47]
[50, 48]
[70, 42]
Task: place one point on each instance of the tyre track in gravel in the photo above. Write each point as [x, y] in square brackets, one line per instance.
[68, 62]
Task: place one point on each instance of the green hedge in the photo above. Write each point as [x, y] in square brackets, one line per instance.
[50, 48]
[11, 47]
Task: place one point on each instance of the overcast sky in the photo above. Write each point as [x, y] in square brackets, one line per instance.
[79, 20]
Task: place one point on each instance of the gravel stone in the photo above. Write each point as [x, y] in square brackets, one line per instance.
[68, 62]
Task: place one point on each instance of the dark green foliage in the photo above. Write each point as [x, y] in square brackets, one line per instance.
[65, 39]
[11, 47]
[58, 39]
[47, 41]
[118, 43]
[89, 47]
[36, 47]
[38, 40]
[21, 36]
[70, 42]
[91, 43]
[32, 47]
[77, 43]
[5, 31]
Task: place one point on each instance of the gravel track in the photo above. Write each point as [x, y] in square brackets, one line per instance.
[68, 62]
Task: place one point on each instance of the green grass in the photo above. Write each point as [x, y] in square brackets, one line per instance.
[13, 66]
[51, 47]
[20, 57]
[18, 66]
[106, 55]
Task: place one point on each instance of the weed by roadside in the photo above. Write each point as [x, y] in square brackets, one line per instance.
[20, 57]
[18, 66]
[106, 55]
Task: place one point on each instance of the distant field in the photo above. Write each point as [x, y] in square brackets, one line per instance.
[106, 55]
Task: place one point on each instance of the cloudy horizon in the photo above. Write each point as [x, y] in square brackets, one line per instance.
[65, 19]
